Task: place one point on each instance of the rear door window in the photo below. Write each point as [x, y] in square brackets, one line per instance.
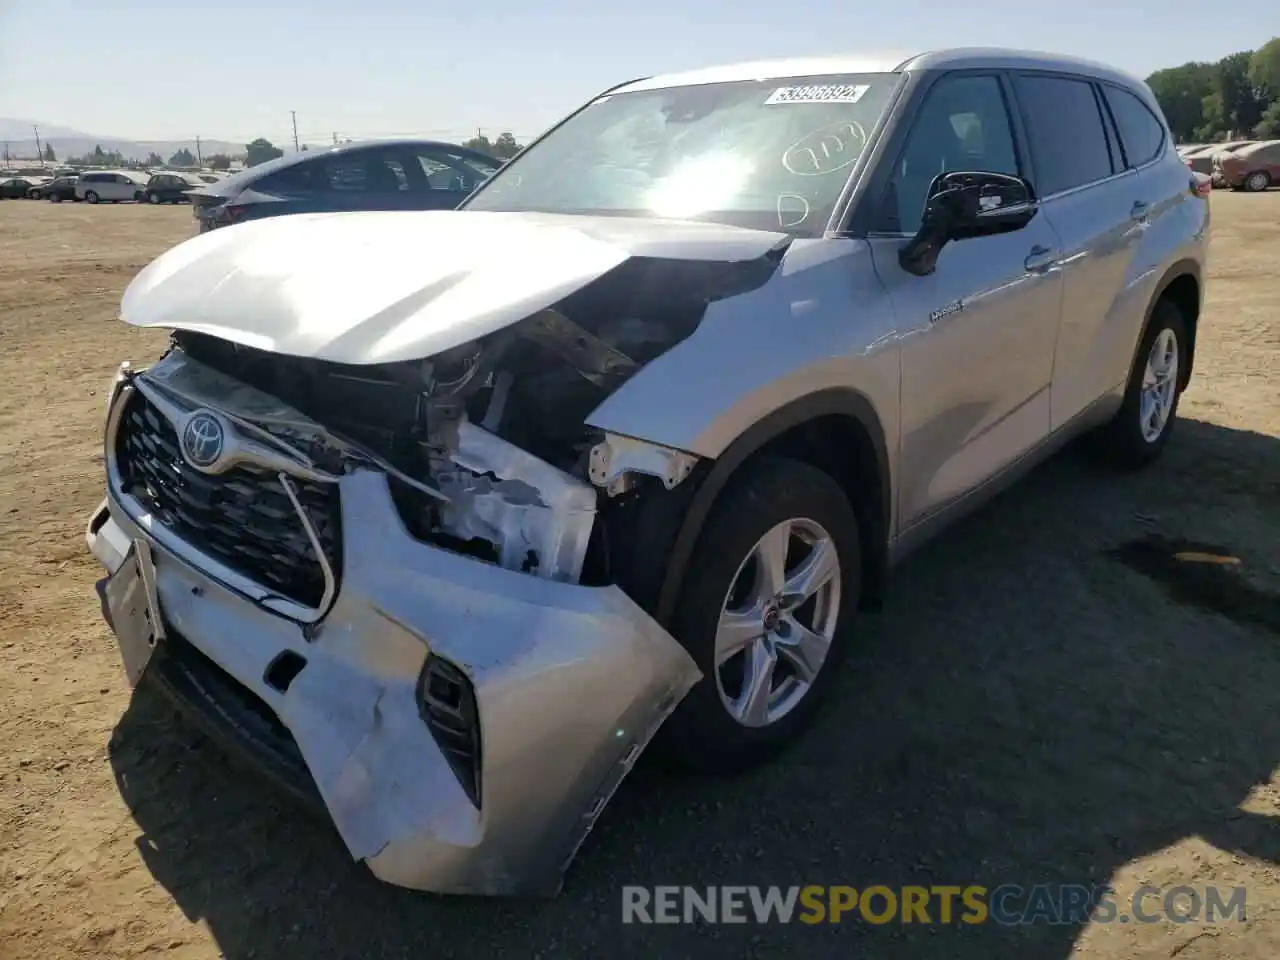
[1141, 134]
[371, 172]
[1069, 145]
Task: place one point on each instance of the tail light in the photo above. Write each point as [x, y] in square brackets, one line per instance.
[234, 213]
[447, 703]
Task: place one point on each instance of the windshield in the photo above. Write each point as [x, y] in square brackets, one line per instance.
[767, 154]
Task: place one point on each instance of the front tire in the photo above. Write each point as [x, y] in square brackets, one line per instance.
[767, 614]
[1137, 434]
[153, 198]
[90, 197]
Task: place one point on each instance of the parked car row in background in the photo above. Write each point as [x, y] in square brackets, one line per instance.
[373, 175]
[1252, 165]
[107, 186]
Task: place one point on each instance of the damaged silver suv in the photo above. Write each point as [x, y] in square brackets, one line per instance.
[438, 517]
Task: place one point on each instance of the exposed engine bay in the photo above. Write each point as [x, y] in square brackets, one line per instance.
[493, 431]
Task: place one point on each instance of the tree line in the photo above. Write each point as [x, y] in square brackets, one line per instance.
[259, 151]
[1236, 97]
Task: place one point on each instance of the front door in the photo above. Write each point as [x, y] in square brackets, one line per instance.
[977, 334]
[120, 188]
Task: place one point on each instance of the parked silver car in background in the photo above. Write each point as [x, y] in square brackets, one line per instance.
[110, 186]
[439, 516]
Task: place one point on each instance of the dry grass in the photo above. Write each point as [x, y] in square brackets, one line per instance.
[1028, 708]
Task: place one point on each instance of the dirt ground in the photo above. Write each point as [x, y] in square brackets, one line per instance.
[1048, 698]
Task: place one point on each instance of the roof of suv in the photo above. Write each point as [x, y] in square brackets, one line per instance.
[953, 59]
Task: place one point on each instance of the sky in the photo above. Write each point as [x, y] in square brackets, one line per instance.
[233, 70]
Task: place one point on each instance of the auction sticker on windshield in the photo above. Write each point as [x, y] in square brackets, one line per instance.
[820, 93]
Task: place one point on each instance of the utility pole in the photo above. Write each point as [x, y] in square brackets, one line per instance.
[199, 155]
[335, 138]
[294, 114]
[6, 153]
[39, 148]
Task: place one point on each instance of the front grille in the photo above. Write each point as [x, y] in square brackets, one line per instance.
[243, 518]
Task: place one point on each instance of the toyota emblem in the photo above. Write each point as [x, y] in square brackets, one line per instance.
[203, 439]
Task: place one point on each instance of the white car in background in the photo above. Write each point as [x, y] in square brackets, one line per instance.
[110, 185]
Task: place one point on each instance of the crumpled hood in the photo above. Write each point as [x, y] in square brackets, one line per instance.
[381, 287]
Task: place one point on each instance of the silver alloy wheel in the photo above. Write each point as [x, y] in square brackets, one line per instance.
[1159, 385]
[91, 197]
[153, 197]
[777, 622]
[1256, 182]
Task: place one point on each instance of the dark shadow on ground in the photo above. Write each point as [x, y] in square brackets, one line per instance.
[1028, 709]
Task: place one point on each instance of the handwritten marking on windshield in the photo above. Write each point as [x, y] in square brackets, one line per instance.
[829, 148]
[793, 210]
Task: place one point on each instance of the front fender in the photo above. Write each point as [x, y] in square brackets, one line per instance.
[822, 322]
[819, 339]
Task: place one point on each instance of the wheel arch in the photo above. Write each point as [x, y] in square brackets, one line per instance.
[1182, 284]
[837, 431]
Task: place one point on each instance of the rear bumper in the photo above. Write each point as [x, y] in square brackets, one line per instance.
[1223, 177]
[570, 683]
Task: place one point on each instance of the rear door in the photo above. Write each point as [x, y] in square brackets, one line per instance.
[374, 179]
[1099, 208]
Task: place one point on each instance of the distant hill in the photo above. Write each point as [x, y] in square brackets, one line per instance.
[68, 142]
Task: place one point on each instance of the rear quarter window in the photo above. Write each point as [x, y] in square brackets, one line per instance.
[298, 180]
[1141, 133]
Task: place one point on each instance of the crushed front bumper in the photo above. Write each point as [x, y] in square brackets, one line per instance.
[569, 685]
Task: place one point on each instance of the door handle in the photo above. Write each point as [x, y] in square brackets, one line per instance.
[1138, 211]
[1039, 260]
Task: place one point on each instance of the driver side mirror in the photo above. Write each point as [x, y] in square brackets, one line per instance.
[963, 205]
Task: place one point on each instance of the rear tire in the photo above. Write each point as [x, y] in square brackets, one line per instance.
[796, 514]
[90, 197]
[1139, 431]
[153, 198]
[55, 198]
